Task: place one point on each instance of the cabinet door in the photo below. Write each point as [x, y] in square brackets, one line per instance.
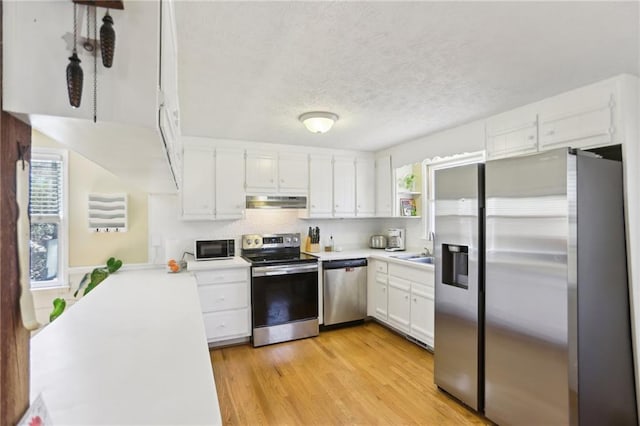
[513, 132]
[381, 300]
[230, 196]
[582, 118]
[365, 187]
[384, 195]
[320, 186]
[422, 313]
[198, 176]
[261, 172]
[399, 305]
[344, 187]
[293, 173]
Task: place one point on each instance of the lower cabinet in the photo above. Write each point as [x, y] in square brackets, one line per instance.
[399, 305]
[403, 298]
[225, 302]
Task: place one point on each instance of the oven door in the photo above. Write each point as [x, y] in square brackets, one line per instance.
[282, 294]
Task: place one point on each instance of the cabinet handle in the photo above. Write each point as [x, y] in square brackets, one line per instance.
[406, 297]
[337, 205]
[281, 180]
[415, 299]
[531, 137]
[223, 325]
[551, 132]
[221, 298]
[313, 205]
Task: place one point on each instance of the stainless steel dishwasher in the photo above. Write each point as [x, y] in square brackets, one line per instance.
[344, 290]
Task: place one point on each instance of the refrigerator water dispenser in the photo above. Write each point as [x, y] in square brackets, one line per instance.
[455, 265]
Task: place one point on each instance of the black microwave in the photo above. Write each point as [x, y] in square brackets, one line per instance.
[214, 249]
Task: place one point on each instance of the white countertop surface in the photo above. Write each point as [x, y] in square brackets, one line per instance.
[204, 265]
[133, 351]
[374, 254]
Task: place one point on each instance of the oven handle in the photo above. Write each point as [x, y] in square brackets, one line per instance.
[265, 271]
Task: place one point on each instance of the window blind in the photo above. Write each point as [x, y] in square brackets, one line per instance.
[45, 195]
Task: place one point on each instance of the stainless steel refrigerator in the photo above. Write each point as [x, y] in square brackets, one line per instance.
[459, 292]
[557, 336]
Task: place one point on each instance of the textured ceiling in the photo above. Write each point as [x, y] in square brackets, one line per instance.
[392, 71]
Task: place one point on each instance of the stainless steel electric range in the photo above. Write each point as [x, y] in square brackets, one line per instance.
[284, 288]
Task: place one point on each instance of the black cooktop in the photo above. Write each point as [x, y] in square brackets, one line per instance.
[278, 258]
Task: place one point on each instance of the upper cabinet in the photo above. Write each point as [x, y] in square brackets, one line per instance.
[293, 173]
[169, 106]
[213, 183]
[384, 188]
[344, 187]
[272, 172]
[365, 187]
[261, 172]
[587, 117]
[582, 118]
[320, 202]
[512, 132]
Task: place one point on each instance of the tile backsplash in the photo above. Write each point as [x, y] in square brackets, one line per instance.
[169, 236]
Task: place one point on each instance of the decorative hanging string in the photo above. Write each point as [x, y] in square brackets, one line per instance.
[75, 27]
[95, 67]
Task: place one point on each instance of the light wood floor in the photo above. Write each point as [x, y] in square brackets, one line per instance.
[358, 375]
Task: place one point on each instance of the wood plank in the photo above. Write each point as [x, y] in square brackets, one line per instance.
[358, 375]
[14, 338]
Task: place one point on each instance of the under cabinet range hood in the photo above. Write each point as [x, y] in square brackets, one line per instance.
[276, 202]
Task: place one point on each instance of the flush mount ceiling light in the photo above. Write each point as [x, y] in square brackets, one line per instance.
[318, 121]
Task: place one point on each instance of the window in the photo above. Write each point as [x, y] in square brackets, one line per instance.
[429, 168]
[48, 214]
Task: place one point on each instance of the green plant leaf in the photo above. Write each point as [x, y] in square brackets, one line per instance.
[113, 265]
[58, 308]
[97, 276]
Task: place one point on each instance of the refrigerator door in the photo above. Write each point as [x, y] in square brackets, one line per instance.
[529, 298]
[458, 291]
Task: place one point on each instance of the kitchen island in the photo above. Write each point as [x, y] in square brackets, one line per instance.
[133, 351]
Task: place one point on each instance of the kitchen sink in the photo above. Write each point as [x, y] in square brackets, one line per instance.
[422, 259]
[418, 258]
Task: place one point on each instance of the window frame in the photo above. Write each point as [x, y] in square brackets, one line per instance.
[62, 221]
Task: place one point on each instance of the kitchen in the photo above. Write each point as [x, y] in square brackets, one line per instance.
[168, 235]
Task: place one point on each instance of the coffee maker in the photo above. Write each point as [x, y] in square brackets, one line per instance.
[395, 239]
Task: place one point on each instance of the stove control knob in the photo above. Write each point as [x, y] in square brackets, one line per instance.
[248, 242]
[296, 240]
[256, 241]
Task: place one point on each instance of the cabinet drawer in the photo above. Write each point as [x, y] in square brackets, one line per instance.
[418, 275]
[381, 278]
[227, 324]
[422, 290]
[218, 276]
[223, 296]
[380, 266]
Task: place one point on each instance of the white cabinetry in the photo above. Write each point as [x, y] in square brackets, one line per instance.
[198, 176]
[225, 302]
[271, 172]
[293, 173]
[403, 297]
[229, 193]
[261, 172]
[320, 186]
[587, 117]
[213, 186]
[365, 187]
[344, 187]
[513, 132]
[399, 304]
[384, 194]
[377, 300]
[582, 118]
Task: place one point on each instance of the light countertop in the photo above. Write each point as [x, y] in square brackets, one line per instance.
[133, 351]
[369, 253]
[204, 265]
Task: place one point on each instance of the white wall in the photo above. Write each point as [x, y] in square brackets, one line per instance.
[170, 236]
